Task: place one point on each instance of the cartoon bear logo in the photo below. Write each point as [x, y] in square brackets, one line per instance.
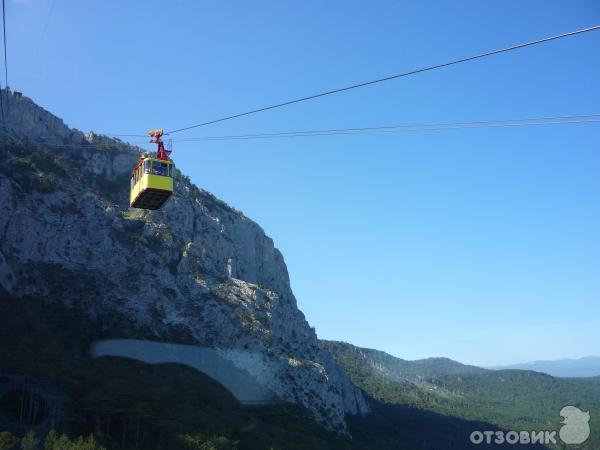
[575, 429]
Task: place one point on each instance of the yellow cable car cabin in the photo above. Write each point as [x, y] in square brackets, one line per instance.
[152, 177]
[151, 183]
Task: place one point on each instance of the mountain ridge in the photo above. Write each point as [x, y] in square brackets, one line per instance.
[587, 366]
[196, 272]
[405, 369]
[511, 399]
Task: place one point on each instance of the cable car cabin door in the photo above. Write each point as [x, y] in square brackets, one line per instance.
[151, 183]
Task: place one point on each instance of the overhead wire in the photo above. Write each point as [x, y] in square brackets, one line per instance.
[498, 123]
[43, 35]
[525, 121]
[518, 122]
[125, 135]
[5, 64]
[391, 77]
[4, 33]
[2, 106]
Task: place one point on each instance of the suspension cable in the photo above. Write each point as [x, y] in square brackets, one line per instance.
[5, 63]
[4, 32]
[445, 126]
[545, 120]
[391, 77]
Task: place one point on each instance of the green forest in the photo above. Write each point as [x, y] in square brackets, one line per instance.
[509, 399]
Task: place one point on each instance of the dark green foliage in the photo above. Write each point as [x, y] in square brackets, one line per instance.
[201, 442]
[509, 399]
[42, 168]
[395, 368]
[57, 441]
[223, 205]
[30, 441]
[8, 441]
[32, 170]
[394, 426]
[128, 404]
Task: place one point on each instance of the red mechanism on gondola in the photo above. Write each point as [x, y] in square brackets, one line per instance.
[162, 152]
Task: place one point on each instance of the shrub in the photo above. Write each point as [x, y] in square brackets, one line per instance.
[7, 441]
[201, 442]
[26, 163]
[30, 441]
[56, 441]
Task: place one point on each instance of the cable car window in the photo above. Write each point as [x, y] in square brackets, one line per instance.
[159, 168]
[146, 166]
[171, 170]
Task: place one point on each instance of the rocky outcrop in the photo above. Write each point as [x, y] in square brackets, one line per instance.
[196, 272]
[24, 118]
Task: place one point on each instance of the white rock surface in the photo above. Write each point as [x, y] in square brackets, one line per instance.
[196, 269]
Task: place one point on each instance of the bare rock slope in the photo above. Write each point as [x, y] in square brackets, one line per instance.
[196, 272]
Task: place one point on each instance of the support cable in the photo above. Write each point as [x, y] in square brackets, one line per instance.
[391, 77]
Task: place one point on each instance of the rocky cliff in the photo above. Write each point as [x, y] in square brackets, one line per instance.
[196, 272]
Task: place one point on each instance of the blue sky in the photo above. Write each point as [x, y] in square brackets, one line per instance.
[479, 245]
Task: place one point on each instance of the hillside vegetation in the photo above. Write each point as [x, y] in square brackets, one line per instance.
[127, 404]
[123, 405]
[510, 399]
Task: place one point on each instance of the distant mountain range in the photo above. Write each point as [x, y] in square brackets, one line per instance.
[510, 399]
[562, 368]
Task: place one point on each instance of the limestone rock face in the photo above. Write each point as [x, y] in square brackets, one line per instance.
[196, 271]
[25, 118]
